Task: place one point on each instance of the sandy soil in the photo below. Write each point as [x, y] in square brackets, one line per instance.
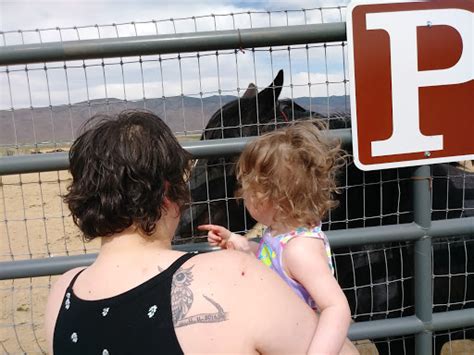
[34, 223]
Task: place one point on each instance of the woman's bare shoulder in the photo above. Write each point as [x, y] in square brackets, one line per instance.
[243, 286]
[64, 280]
[55, 297]
[229, 255]
[237, 271]
[226, 261]
[58, 290]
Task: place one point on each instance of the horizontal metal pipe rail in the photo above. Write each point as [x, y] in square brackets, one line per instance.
[385, 327]
[347, 237]
[393, 327]
[33, 163]
[453, 319]
[172, 43]
[57, 265]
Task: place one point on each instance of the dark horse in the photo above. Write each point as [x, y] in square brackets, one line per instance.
[377, 279]
[213, 181]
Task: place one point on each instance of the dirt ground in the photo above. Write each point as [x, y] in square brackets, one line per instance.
[34, 223]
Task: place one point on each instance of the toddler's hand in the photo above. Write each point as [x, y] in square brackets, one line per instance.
[217, 235]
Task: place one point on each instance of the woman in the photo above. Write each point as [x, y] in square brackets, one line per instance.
[140, 296]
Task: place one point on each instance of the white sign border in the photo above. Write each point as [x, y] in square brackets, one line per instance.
[355, 144]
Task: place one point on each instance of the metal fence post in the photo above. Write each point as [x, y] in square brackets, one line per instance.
[423, 279]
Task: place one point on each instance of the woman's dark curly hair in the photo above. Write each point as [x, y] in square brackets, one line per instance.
[122, 169]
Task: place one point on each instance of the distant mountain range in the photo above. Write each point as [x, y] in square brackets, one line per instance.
[183, 114]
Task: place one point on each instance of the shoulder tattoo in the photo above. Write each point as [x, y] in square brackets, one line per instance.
[182, 298]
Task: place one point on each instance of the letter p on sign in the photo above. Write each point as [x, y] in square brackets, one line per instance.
[412, 82]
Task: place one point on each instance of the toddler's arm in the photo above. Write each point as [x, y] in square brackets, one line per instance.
[305, 260]
[224, 238]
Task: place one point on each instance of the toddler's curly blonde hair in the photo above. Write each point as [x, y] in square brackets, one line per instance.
[294, 169]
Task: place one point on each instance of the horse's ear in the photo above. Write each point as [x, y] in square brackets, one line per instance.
[272, 92]
[278, 81]
[251, 91]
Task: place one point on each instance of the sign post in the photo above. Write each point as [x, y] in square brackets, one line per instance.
[412, 82]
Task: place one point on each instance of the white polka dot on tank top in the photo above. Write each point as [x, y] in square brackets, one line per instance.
[151, 311]
[74, 337]
[67, 303]
[105, 311]
[105, 352]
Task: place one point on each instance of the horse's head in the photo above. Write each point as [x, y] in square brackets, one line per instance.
[213, 181]
[254, 113]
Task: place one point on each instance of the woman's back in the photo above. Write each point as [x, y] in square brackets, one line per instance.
[208, 303]
[103, 326]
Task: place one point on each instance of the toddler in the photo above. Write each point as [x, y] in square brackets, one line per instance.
[288, 178]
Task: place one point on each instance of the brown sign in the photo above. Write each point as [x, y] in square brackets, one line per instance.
[412, 82]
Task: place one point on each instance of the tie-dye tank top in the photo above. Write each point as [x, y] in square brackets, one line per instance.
[270, 252]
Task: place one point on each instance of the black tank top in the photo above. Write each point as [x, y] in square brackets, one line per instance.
[138, 321]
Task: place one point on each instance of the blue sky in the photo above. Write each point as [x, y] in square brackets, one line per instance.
[188, 77]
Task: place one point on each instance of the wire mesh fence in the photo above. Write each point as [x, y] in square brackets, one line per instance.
[42, 107]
